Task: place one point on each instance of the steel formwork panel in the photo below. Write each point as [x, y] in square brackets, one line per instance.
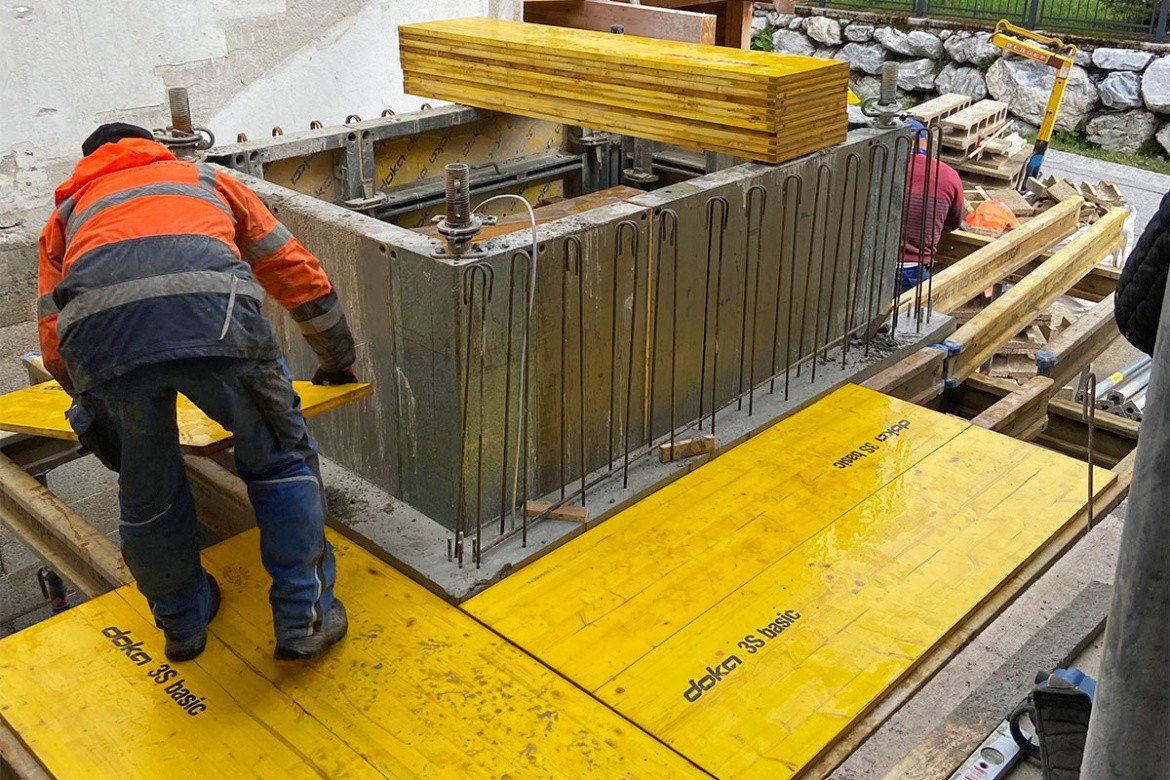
[422, 325]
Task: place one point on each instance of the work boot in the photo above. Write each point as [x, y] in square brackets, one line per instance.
[327, 631]
[189, 648]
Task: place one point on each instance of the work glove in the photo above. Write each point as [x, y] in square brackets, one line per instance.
[345, 376]
[322, 323]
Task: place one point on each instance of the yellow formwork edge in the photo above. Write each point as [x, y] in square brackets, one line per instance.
[748, 613]
[40, 411]
[416, 690]
[631, 51]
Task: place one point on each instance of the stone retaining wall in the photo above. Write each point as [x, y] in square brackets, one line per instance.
[1119, 96]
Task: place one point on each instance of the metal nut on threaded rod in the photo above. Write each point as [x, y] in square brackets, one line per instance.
[460, 225]
[180, 109]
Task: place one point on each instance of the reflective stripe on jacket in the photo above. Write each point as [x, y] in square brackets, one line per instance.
[148, 259]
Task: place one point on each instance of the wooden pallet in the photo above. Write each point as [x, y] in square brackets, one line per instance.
[994, 167]
[964, 129]
[941, 107]
[763, 106]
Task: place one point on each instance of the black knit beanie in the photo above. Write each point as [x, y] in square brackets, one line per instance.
[112, 133]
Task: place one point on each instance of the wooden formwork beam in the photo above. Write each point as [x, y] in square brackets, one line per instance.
[1094, 286]
[77, 551]
[668, 24]
[994, 261]
[916, 379]
[1115, 438]
[16, 761]
[975, 342]
[1022, 414]
[1075, 347]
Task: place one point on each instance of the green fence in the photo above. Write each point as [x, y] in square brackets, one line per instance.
[1143, 19]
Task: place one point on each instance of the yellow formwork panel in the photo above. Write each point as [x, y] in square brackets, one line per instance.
[417, 690]
[750, 612]
[40, 411]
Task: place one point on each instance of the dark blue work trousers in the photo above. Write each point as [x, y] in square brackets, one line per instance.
[910, 276]
[130, 423]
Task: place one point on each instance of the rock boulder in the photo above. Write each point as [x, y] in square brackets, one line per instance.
[962, 79]
[859, 33]
[1122, 132]
[916, 43]
[823, 30]
[1107, 58]
[1026, 84]
[1156, 86]
[792, 42]
[916, 75]
[1163, 137]
[970, 48]
[865, 57]
[1121, 89]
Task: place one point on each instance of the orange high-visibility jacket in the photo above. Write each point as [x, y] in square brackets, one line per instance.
[148, 259]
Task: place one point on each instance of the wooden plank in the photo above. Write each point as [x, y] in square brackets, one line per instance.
[40, 411]
[57, 535]
[916, 378]
[960, 282]
[1075, 347]
[1007, 315]
[686, 448]
[576, 514]
[418, 689]
[1054, 646]
[16, 762]
[1018, 413]
[643, 21]
[695, 586]
[221, 498]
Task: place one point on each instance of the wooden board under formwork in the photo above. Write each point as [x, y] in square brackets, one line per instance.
[40, 411]
[750, 612]
[765, 106]
[417, 690]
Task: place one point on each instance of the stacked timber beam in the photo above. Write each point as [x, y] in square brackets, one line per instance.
[924, 375]
[759, 105]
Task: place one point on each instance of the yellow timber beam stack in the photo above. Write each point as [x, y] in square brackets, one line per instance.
[759, 105]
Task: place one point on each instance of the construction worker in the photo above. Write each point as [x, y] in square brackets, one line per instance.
[934, 207]
[152, 272]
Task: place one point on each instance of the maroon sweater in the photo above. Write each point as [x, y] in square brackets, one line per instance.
[942, 207]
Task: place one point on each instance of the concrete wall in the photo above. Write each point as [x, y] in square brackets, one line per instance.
[249, 65]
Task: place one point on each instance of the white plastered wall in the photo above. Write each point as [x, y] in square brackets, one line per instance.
[68, 65]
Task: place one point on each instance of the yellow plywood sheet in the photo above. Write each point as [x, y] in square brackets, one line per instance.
[40, 411]
[417, 690]
[750, 612]
[767, 106]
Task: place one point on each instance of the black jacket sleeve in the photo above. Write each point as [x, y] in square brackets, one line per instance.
[1138, 303]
